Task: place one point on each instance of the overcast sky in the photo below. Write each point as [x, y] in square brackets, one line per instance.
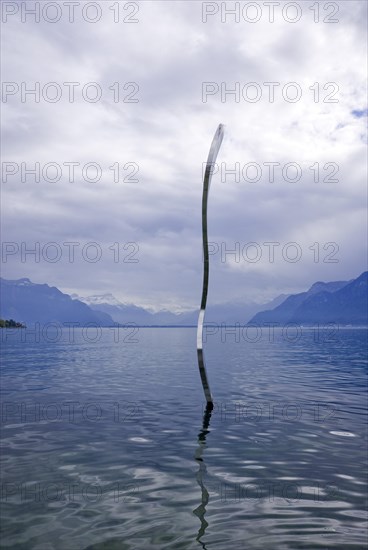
[159, 131]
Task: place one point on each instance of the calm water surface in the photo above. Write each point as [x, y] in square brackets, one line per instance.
[106, 444]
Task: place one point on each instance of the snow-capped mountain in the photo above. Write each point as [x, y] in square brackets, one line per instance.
[130, 313]
[98, 299]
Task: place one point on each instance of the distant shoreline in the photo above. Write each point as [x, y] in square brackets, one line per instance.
[211, 324]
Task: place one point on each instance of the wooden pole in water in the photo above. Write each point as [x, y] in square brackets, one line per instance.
[212, 155]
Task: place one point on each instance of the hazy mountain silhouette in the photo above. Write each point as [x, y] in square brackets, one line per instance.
[340, 302]
[229, 313]
[29, 303]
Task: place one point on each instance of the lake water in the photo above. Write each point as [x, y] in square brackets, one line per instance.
[106, 444]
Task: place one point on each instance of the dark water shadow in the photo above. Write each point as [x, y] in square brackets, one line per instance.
[200, 511]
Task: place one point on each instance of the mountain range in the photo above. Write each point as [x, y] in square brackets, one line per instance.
[30, 303]
[340, 302]
[124, 313]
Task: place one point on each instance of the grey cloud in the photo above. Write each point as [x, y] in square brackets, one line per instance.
[168, 133]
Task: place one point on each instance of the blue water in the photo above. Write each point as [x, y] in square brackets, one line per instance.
[105, 444]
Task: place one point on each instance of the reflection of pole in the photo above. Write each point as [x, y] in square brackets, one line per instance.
[200, 512]
[212, 155]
